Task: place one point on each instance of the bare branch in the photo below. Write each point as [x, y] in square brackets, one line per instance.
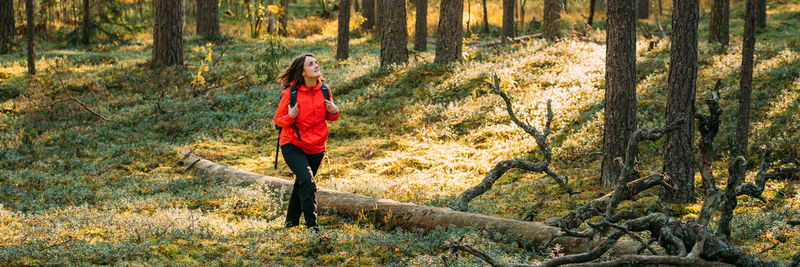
[730, 201]
[502, 167]
[593, 208]
[755, 190]
[621, 192]
[629, 233]
[72, 98]
[708, 125]
[689, 259]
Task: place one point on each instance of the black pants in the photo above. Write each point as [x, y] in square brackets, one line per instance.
[304, 166]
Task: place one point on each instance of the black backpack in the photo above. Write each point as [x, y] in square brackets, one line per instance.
[292, 101]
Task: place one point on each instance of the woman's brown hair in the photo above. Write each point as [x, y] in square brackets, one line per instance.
[294, 72]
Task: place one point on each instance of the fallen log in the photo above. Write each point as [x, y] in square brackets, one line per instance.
[412, 216]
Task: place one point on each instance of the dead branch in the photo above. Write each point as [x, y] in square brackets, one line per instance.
[594, 208]
[474, 252]
[784, 174]
[72, 98]
[690, 259]
[755, 189]
[502, 167]
[708, 125]
[627, 171]
[705, 249]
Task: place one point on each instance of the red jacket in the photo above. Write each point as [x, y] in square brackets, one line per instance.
[310, 122]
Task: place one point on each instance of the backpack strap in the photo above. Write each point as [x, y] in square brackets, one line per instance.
[292, 102]
[292, 95]
[326, 92]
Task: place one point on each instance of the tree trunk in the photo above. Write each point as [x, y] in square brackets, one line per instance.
[270, 19]
[44, 16]
[521, 28]
[469, 17]
[343, 39]
[590, 20]
[167, 34]
[208, 18]
[412, 216]
[379, 17]
[679, 144]
[485, 19]
[284, 17]
[87, 24]
[737, 173]
[643, 9]
[508, 19]
[620, 95]
[394, 35]
[29, 7]
[368, 10]
[761, 13]
[718, 28]
[552, 19]
[448, 45]
[7, 25]
[421, 26]
[356, 7]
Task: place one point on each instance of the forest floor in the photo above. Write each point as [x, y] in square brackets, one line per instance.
[77, 188]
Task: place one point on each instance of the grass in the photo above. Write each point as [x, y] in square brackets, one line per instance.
[77, 189]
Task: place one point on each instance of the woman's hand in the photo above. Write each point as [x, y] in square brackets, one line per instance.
[294, 111]
[331, 107]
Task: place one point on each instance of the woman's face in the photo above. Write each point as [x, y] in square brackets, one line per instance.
[311, 68]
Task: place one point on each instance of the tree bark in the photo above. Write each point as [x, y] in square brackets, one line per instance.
[343, 39]
[7, 25]
[718, 28]
[590, 20]
[736, 171]
[167, 34]
[270, 18]
[643, 9]
[87, 23]
[29, 7]
[284, 18]
[761, 13]
[208, 18]
[508, 19]
[421, 26]
[679, 145]
[379, 17]
[469, 11]
[620, 95]
[413, 216]
[448, 45]
[356, 6]
[521, 27]
[394, 40]
[485, 19]
[552, 19]
[368, 10]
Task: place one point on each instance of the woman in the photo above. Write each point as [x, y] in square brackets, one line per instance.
[304, 133]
